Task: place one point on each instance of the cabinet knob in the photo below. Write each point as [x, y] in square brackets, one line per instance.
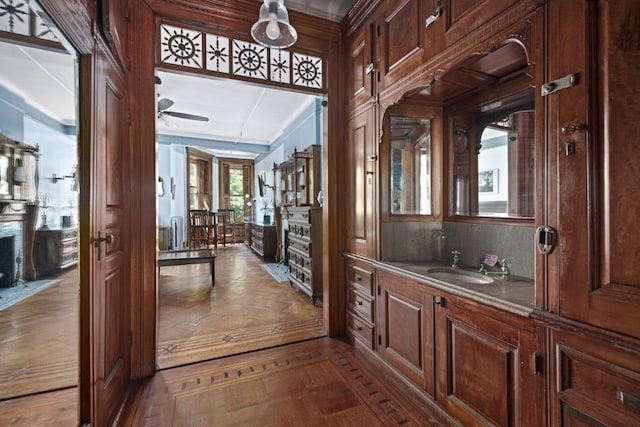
[358, 302]
[358, 277]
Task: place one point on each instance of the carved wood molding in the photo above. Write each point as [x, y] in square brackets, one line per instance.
[359, 13]
[76, 19]
[514, 24]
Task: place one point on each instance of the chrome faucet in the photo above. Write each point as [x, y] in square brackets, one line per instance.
[504, 269]
[456, 259]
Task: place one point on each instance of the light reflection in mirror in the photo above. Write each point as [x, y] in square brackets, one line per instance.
[411, 188]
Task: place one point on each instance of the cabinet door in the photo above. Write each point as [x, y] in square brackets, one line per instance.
[402, 42]
[488, 367]
[361, 183]
[594, 165]
[405, 319]
[362, 67]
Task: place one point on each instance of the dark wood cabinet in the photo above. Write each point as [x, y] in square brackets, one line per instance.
[362, 67]
[595, 384]
[361, 301]
[406, 328]
[489, 365]
[55, 250]
[577, 355]
[263, 240]
[596, 185]
[305, 250]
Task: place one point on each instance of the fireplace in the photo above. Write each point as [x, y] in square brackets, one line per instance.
[7, 259]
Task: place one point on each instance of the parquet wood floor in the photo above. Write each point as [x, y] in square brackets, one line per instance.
[246, 310]
[321, 382]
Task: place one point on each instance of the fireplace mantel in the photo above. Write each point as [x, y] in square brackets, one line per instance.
[27, 213]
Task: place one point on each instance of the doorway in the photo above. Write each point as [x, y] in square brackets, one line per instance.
[39, 213]
[195, 319]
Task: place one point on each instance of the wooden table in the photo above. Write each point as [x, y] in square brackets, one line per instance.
[189, 256]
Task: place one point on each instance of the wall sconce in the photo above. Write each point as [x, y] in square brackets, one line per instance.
[55, 178]
[273, 28]
[160, 188]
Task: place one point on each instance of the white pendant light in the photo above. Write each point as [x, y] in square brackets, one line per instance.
[273, 28]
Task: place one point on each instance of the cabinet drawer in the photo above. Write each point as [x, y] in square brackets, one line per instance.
[598, 380]
[69, 246]
[69, 234]
[361, 279]
[301, 216]
[300, 245]
[300, 259]
[360, 304]
[360, 329]
[300, 231]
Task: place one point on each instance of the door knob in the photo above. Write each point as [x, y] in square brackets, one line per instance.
[97, 242]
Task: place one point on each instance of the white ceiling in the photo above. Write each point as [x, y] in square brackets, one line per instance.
[238, 112]
[43, 79]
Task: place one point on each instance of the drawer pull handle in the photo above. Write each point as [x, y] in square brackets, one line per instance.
[629, 400]
[358, 278]
[358, 302]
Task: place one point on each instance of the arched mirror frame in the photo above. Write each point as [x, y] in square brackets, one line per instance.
[466, 122]
[434, 87]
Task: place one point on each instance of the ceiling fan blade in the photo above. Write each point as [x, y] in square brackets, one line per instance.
[186, 116]
[167, 121]
[164, 103]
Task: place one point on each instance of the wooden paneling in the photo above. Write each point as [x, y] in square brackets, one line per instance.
[595, 384]
[401, 42]
[115, 17]
[488, 370]
[598, 195]
[361, 79]
[112, 257]
[361, 184]
[405, 326]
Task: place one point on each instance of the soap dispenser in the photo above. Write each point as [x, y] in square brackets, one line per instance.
[437, 245]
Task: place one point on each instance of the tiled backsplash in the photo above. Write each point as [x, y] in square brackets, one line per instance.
[411, 241]
[506, 241]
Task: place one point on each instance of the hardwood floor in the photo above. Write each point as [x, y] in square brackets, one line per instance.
[246, 310]
[321, 382]
[39, 340]
[318, 381]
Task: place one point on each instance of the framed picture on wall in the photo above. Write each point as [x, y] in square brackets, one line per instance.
[488, 181]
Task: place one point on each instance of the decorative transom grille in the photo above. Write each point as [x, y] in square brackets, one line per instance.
[180, 46]
[211, 52]
[18, 18]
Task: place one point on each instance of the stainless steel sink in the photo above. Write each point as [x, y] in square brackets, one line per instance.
[456, 275]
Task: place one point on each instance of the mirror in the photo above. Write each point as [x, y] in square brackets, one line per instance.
[410, 165]
[409, 160]
[493, 158]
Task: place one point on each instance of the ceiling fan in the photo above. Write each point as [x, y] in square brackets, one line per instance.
[165, 103]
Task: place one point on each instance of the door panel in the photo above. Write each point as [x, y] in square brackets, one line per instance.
[111, 249]
[597, 188]
[361, 184]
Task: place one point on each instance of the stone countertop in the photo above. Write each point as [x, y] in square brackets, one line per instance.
[514, 294]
